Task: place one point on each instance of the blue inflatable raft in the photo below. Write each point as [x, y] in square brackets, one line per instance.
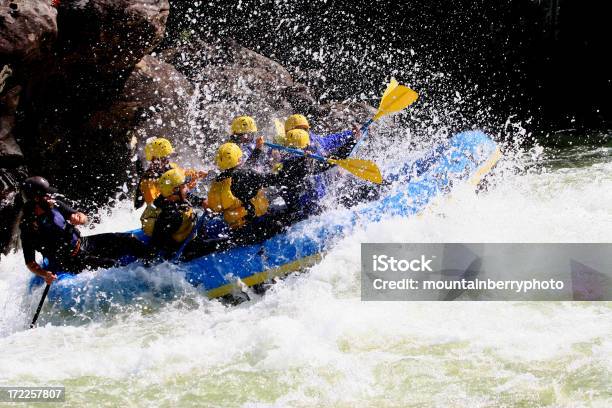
[466, 157]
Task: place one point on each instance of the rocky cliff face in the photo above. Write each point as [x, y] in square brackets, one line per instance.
[68, 104]
[81, 90]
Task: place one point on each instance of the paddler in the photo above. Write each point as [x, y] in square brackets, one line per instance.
[337, 144]
[244, 134]
[176, 218]
[237, 191]
[302, 187]
[158, 152]
[48, 226]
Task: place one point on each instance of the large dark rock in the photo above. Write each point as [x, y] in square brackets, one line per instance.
[109, 36]
[232, 81]
[27, 31]
[10, 204]
[338, 116]
[10, 153]
[67, 131]
[153, 103]
[73, 93]
[12, 171]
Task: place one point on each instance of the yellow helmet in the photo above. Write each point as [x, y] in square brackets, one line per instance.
[228, 156]
[158, 148]
[170, 180]
[298, 138]
[296, 121]
[243, 124]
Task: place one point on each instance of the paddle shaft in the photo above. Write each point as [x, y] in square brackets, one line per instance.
[364, 169]
[364, 135]
[296, 151]
[40, 305]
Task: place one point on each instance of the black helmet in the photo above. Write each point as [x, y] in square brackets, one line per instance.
[35, 187]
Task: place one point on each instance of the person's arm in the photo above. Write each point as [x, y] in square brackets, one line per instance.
[195, 176]
[29, 256]
[75, 217]
[256, 153]
[197, 201]
[246, 183]
[345, 149]
[330, 144]
[35, 268]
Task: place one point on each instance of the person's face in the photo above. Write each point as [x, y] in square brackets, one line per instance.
[244, 138]
[43, 200]
[183, 190]
[160, 161]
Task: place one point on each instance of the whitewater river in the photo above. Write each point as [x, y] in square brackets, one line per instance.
[310, 341]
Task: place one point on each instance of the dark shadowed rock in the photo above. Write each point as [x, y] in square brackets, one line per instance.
[10, 204]
[12, 171]
[78, 116]
[244, 83]
[27, 31]
[10, 153]
[101, 146]
[110, 35]
[154, 103]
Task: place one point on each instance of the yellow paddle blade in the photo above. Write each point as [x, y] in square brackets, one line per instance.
[395, 99]
[364, 169]
[279, 137]
[392, 85]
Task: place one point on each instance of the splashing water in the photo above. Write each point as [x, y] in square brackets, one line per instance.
[311, 341]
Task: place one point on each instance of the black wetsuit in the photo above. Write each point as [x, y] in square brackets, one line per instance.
[170, 220]
[61, 243]
[297, 187]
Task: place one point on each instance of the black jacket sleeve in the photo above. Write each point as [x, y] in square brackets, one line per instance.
[254, 157]
[64, 209]
[27, 245]
[344, 151]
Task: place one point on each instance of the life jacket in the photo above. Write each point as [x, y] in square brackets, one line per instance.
[221, 199]
[151, 214]
[148, 219]
[150, 191]
[148, 185]
[186, 226]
